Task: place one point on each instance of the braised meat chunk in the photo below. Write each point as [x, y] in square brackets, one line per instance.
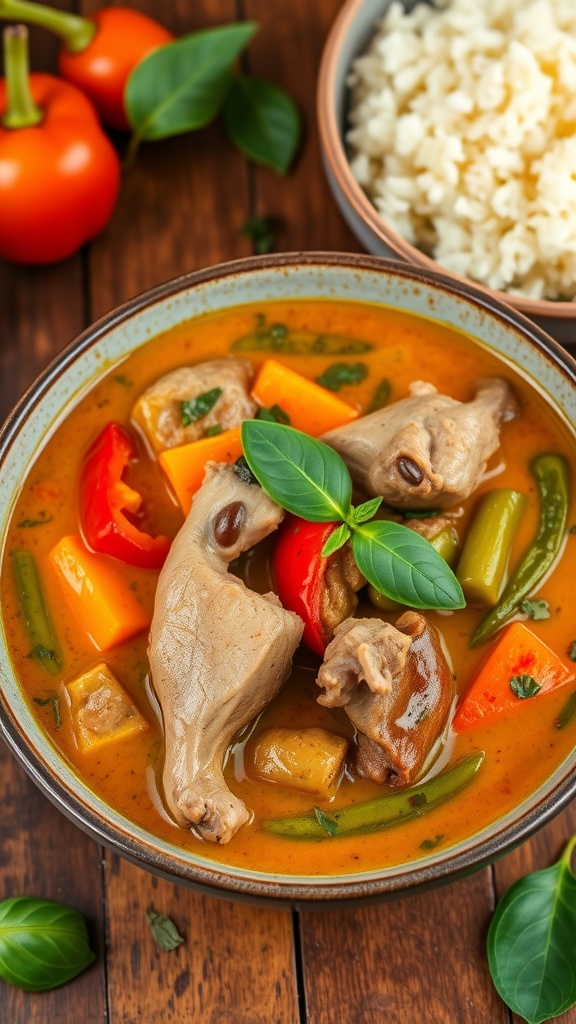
[218, 651]
[183, 404]
[396, 687]
[428, 450]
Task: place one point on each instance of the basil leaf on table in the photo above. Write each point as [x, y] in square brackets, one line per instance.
[262, 121]
[404, 566]
[164, 931]
[42, 944]
[532, 942]
[301, 474]
[182, 86]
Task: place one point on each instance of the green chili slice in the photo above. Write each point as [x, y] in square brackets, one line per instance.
[36, 618]
[551, 474]
[382, 812]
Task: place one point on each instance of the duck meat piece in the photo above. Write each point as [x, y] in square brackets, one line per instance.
[218, 651]
[396, 687]
[223, 385]
[427, 450]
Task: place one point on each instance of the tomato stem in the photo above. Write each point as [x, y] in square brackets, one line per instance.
[76, 32]
[21, 111]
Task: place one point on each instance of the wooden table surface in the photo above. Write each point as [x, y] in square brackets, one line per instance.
[416, 961]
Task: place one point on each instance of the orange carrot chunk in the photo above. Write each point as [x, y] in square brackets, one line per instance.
[185, 466]
[99, 598]
[518, 657]
[311, 408]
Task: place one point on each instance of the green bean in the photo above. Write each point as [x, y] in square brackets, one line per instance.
[567, 712]
[385, 811]
[486, 552]
[31, 602]
[551, 474]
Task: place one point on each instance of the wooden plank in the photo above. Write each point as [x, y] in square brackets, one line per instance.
[182, 206]
[42, 854]
[419, 959]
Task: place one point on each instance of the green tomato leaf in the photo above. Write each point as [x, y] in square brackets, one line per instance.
[336, 540]
[402, 565]
[531, 942]
[301, 474]
[263, 122]
[363, 512]
[182, 86]
[42, 944]
[341, 375]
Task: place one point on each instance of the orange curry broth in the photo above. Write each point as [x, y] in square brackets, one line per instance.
[522, 749]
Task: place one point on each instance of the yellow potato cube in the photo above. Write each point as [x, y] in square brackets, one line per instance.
[310, 760]
[101, 709]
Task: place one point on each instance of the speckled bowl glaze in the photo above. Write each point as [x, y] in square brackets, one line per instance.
[349, 37]
[361, 278]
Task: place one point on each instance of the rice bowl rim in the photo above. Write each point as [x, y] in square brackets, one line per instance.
[334, 152]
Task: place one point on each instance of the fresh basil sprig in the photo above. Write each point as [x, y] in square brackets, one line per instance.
[42, 944]
[308, 478]
[532, 942]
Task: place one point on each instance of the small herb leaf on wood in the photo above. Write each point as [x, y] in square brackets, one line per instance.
[263, 122]
[301, 474]
[42, 944]
[531, 942]
[164, 931]
[182, 86]
[261, 232]
[404, 566]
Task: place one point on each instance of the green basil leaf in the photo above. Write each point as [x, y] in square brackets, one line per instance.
[524, 686]
[263, 122]
[339, 375]
[404, 566]
[531, 942]
[182, 86]
[261, 232]
[536, 610]
[381, 396]
[361, 513]
[336, 540]
[164, 931]
[42, 944]
[301, 474]
[200, 406]
[328, 824]
[275, 414]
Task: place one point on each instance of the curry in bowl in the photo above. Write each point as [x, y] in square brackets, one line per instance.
[294, 692]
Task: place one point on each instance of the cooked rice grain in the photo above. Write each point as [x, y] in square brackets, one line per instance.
[464, 137]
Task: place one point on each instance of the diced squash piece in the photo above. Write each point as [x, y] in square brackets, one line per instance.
[311, 408]
[517, 653]
[102, 711]
[98, 596]
[310, 760]
[184, 466]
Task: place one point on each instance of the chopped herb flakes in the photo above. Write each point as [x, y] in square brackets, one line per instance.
[328, 824]
[213, 431]
[164, 931]
[243, 471]
[431, 844]
[536, 610]
[567, 712]
[124, 381]
[572, 651]
[524, 686]
[200, 406]
[418, 800]
[381, 396]
[340, 375]
[53, 703]
[275, 414]
[26, 523]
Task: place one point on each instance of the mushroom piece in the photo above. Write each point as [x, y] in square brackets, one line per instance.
[218, 651]
[427, 450]
[224, 382]
[396, 687]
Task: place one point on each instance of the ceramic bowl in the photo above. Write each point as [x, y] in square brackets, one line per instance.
[75, 370]
[350, 35]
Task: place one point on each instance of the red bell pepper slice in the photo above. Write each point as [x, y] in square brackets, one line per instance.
[105, 499]
[300, 572]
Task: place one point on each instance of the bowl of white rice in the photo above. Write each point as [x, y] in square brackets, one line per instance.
[449, 139]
